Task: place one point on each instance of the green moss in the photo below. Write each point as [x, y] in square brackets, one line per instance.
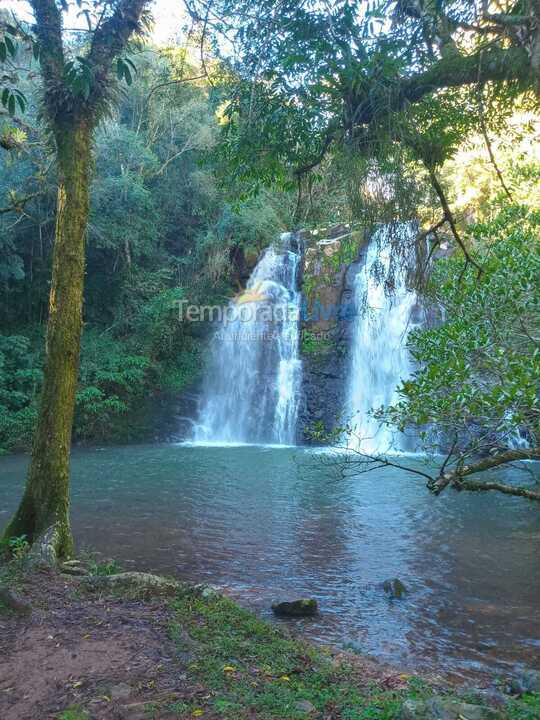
[315, 343]
[73, 713]
[330, 264]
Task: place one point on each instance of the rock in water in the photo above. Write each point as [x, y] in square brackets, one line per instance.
[296, 608]
[394, 588]
[441, 708]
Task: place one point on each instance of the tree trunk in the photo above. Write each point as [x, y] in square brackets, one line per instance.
[43, 515]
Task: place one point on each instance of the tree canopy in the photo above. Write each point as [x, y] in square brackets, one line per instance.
[308, 76]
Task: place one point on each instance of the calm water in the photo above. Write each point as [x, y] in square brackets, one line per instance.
[280, 522]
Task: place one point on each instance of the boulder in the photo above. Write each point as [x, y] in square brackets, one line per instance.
[122, 691]
[133, 581]
[441, 708]
[73, 567]
[304, 706]
[394, 588]
[296, 608]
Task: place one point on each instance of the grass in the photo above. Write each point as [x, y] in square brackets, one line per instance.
[73, 713]
[252, 670]
[526, 708]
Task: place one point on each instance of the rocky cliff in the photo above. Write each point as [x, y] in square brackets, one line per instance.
[331, 261]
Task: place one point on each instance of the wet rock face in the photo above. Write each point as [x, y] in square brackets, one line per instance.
[296, 608]
[325, 371]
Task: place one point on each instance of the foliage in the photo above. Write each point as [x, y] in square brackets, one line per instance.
[161, 229]
[474, 189]
[20, 380]
[110, 380]
[375, 81]
[479, 369]
[105, 568]
[17, 546]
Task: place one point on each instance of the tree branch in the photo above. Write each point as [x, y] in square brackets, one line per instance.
[474, 486]
[49, 33]
[19, 203]
[449, 217]
[172, 82]
[455, 477]
[451, 71]
[110, 40]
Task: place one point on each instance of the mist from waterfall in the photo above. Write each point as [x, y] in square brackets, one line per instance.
[380, 360]
[253, 378]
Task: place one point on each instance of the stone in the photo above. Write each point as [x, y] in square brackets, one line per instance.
[304, 706]
[134, 711]
[394, 588]
[14, 601]
[296, 608]
[73, 567]
[442, 708]
[483, 696]
[133, 581]
[122, 691]
[528, 681]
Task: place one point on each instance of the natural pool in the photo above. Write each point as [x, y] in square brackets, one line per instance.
[274, 522]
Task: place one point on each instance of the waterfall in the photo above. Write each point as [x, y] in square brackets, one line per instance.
[252, 383]
[380, 359]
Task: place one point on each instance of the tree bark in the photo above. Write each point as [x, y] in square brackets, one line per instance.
[456, 477]
[43, 514]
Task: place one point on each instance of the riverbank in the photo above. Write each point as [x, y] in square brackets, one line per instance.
[115, 647]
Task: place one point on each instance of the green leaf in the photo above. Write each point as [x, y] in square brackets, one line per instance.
[11, 105]
[21, 100]
[10, 45]
[131, 65]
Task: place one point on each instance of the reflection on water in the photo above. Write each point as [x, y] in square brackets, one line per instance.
[277, 522]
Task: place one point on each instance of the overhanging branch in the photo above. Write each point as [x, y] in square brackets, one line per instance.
[455, 478]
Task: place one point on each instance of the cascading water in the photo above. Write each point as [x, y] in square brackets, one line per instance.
[253, 379]
[380, 359]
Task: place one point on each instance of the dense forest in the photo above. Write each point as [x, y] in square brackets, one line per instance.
[377, 161]
[164, 224]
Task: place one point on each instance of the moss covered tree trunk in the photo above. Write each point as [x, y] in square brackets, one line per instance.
[43, 514]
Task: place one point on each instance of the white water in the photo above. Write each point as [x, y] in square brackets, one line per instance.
[253, 379]
[380, 360]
